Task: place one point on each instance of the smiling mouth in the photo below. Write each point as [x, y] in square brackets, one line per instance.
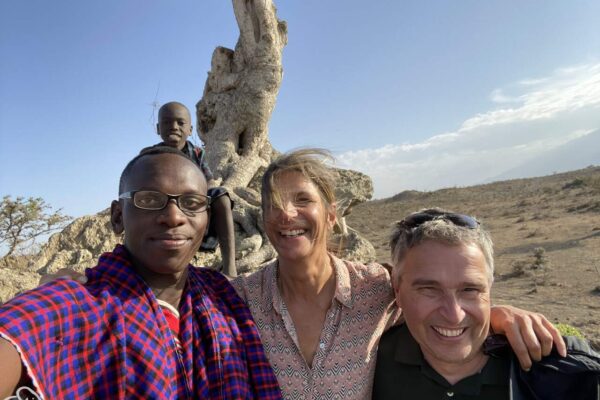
[449, 333]
[171, 242]
[292, 232]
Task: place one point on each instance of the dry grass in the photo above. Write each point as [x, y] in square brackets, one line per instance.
[559, 213]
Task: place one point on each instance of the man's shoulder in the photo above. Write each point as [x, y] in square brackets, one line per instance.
[371, 272]
[58, 300]
[393, 337]
[151, 147]
[55, 293]
[252, 285]
[575, 376]
[580, 357]
[370, 281]
[206, 281]
[579, 345]
[208, 275]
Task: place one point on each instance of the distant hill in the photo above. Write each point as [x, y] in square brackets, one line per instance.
[559, 213]
[575, 154]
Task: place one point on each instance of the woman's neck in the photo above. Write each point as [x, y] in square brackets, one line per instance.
[305, 278]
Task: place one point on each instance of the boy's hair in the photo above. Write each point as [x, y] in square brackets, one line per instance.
[438, 229]
[171, 104]
[149, 151]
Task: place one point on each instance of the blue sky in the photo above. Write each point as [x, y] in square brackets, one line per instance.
[417, 94]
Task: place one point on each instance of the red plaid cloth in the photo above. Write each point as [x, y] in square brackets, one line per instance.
[108, 339]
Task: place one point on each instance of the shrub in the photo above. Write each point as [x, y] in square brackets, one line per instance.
[568, 330]
[574, 184]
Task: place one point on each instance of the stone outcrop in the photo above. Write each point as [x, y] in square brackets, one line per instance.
[78, 245]
[14, 281]
[240, 94]
[233, 116]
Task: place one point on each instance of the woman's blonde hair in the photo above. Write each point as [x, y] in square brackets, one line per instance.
[311, 163]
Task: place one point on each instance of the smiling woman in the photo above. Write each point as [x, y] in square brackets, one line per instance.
[320, 318]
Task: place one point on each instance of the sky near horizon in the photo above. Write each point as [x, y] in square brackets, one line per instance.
[416, 94]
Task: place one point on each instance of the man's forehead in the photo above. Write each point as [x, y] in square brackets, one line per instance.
[430, 256]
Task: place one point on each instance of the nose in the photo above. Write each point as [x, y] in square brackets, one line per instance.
[171, 215]
[452, 310]
[288, 211]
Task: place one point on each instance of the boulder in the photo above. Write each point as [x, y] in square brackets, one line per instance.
[233, 116]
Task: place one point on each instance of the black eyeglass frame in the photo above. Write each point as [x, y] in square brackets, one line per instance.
[131, 195]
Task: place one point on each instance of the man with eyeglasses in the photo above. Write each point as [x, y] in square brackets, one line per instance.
[146, 324]
[443, 270]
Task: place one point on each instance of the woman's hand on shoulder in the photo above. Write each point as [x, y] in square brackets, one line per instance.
[530, 334]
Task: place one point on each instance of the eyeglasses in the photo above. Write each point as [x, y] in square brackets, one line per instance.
[152, 200]
[417, 219]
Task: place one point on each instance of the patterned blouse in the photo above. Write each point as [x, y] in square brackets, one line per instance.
[362, 309]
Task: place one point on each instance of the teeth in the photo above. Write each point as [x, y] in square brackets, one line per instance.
[293, 233]
[449, 332]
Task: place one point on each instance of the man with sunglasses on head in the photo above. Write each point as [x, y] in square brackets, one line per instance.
[443, 270]
[147, 324]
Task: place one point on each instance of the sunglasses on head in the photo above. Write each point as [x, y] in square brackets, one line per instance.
[417, 219]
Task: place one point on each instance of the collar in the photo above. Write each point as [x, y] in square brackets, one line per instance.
[408, 352]
[343, 288]
[188, 148]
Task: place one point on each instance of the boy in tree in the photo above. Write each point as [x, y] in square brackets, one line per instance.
[174, 127]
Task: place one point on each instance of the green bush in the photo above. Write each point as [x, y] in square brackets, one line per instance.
[568, 330]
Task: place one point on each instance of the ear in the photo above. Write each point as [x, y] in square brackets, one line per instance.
[396, 281]
[332, 215]
[116, 217]
[397, 292]
[157, 129]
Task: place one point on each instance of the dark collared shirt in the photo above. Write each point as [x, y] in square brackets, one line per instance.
[401, 372]
[195, 153]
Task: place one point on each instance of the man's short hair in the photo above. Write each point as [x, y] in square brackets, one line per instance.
[171, 104]
[149, 151]
[438, 229]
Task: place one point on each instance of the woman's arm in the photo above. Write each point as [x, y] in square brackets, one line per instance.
[530, 334]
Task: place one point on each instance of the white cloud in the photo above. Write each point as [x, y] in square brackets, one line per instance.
[498, 96]
[533, 116]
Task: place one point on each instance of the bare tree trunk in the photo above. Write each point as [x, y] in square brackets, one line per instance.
[233, 117]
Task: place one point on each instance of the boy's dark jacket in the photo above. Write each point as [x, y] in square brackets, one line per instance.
[576, 376]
